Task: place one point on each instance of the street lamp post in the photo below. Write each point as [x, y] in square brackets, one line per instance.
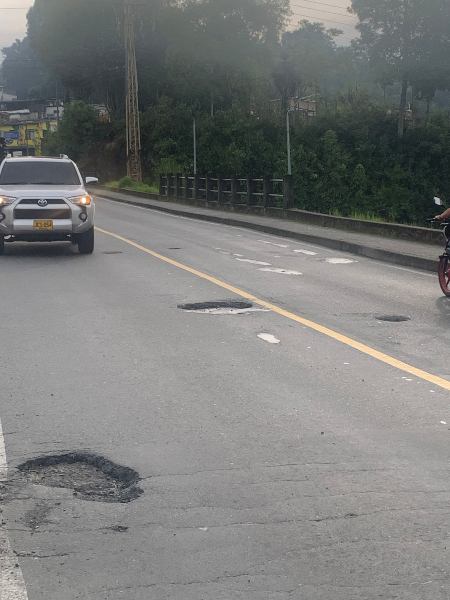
[288, 130]
[195, 148]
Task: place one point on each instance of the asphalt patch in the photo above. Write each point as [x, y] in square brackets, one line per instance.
[392, 318]
[236, 304]
[91, 477]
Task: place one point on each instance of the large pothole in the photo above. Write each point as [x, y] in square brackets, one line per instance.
[91, 477]
[220, 307]
[392, 318]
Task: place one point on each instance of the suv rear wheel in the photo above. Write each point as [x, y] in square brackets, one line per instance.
[86, 242]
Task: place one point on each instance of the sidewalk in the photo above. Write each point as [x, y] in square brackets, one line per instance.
[405, 253]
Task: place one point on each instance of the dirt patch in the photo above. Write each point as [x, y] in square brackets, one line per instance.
[91, 477]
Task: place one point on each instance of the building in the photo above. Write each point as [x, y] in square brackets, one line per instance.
[5, 97]
[302, 108]
[25, 123]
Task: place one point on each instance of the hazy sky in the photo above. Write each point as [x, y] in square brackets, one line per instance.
[13, 23]
[333, 14]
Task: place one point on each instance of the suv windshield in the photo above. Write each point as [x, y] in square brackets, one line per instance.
[39, 173]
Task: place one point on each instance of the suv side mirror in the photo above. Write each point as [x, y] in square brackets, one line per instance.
[91, 181]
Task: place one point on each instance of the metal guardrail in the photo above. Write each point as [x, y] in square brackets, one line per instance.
[264, 191]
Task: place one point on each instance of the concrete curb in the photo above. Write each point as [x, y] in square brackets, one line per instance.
[404, 260]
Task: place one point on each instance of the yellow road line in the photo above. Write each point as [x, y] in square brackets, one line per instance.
[389, 360]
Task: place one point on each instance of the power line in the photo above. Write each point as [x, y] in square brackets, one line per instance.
[316, 17]
[321, 3]
[324, 11]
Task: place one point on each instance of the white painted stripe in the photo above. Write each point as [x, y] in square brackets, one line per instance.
[339, 261]
[268, 337]
[308, 252]
[273, 244]
[12, 584]
[283, 271]
[253, 262]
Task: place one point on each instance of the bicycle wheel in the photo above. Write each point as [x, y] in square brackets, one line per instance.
[444, 275]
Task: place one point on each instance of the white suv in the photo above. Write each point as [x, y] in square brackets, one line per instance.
[44, 200]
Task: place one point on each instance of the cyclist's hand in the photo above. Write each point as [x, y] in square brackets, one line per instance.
[439, 217]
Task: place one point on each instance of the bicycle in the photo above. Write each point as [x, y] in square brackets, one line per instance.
[444, 259]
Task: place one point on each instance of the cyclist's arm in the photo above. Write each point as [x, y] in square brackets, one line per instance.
[444, 215]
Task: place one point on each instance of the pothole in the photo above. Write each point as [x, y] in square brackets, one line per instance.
[91, 477]
[216, 304]
[392, 318]
[222, 307]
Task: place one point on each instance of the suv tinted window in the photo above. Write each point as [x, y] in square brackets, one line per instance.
[40, 172]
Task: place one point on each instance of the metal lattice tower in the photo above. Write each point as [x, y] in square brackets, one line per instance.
[133, 128]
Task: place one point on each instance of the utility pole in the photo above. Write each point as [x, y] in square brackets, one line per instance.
[133, 128]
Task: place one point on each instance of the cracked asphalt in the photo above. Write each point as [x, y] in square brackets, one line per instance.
[297, 469]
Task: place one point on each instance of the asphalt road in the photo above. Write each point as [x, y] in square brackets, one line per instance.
[278, 460]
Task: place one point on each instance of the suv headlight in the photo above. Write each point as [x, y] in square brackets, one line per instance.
[6, 200]
[81, 200]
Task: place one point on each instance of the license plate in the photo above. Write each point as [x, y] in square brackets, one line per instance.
[43, 225]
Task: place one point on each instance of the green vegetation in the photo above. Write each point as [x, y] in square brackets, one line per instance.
[127, 183]
[233, 67]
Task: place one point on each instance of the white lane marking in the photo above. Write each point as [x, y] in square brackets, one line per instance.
[12, 584]
[253, 262]
[249, 233]
[273, 244]
[240, 255]
[308, 252]
[268, 337]
[339, 261]
[227, 311]
[283, 271]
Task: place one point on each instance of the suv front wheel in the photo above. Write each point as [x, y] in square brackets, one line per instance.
[86, 242]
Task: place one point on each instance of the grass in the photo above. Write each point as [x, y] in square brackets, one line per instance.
[127, 183]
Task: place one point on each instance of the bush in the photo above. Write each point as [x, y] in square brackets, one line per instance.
[125, 182]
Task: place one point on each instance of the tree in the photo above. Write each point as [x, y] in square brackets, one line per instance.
[82, 44]
[220, 53]
[312, 51]
[80, 130]
[21, 69]
[402, 39]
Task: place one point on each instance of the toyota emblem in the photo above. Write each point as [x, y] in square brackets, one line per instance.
[42, 202]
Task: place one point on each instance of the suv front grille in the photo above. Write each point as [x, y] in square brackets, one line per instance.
[43, 213]
[34, 201]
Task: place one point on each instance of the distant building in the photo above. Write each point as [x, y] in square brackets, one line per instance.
[102, 110]
[303, 109]
[25, 123]
[5, 97]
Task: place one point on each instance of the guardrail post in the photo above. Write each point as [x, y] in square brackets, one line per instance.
[220, 189]
[186, 187]
[251, 199]
[169, 184]
[288, 192]
[196, 187]
[161, 184]
[178, 178]
[234, 183]
[267, 190]
[208, 187]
